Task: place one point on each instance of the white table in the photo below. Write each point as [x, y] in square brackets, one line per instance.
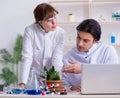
[69, 95]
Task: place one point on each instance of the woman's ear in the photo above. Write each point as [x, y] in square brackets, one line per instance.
[40, 22]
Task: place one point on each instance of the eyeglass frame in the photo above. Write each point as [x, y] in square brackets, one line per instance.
[50, 19]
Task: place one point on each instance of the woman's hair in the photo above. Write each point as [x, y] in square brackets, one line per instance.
[90, 26]
[44, 11]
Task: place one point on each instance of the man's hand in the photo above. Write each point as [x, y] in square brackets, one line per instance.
[73, 67]
[76, 88]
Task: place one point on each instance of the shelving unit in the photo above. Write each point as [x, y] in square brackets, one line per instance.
[104, 9]
[101, 10]
[80, 10]
[67, 1]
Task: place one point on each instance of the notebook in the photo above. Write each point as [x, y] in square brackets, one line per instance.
[100, 79]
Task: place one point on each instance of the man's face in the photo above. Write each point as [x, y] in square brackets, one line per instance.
[84, 41]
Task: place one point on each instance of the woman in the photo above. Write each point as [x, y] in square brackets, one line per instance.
[43, 43]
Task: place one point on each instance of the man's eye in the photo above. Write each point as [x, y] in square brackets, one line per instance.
[78, 37]
[86, 41]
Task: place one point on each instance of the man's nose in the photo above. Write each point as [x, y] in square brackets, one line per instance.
[80, 43]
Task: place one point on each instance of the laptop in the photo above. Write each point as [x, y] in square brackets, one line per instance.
[100, 79]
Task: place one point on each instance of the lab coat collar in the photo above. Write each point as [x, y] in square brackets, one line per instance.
[94, 47]
[91, 50]
[43, 31]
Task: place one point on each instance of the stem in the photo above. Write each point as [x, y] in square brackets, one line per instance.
[13, 68]
[14, 71]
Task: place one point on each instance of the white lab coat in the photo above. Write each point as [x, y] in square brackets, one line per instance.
[41, 49]
[98, 54]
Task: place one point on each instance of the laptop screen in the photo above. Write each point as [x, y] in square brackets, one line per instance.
[100, 79]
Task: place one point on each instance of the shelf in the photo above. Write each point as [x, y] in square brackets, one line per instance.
[113, 22]
[63, 1]
[80, 11]
[103, 10]
[116, 45]
[67, 1]
[74, 23]
[103, 3]
[100, 10]
[105, 0]
[68, 23]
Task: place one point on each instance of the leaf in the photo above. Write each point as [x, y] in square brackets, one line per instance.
[8, 76]
[17, 55]
[57, 76]
[43, 75]
[52, 74]
[5, 56]
[51, 70]
[45, 69]
[12, 59]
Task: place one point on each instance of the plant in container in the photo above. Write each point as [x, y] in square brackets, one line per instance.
[11, 60]
[53, 78]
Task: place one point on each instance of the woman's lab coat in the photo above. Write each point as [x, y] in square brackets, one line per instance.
[41, 49]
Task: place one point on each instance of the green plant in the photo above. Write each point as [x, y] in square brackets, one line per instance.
[12, 59]
[7, 58]
[53, 77]
[8, 76]
[51, 74]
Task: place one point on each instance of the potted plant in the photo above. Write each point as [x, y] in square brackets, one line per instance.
[53, 79]
[11, 59]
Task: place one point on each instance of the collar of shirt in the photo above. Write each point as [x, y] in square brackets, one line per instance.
[91, 50]
[45, 33]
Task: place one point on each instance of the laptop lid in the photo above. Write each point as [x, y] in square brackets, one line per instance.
[100, 79]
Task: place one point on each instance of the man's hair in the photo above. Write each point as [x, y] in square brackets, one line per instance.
[90, 26]
[44, 11]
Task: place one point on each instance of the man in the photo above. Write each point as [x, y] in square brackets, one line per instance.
[88, 50]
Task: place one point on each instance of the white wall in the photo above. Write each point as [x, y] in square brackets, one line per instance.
[14, 17]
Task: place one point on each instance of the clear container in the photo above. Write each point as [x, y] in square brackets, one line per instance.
[33, 87]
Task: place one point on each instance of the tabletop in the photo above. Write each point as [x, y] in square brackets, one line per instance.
[69, 95]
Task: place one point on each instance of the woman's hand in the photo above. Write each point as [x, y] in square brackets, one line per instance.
[21, 85]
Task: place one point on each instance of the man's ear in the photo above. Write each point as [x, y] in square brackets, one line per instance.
[95, 40]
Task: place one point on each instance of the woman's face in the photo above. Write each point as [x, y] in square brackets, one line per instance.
[49, 24]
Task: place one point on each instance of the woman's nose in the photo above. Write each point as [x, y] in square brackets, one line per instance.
[54, 21]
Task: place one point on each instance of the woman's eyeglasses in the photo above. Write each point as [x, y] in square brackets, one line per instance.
[50, 19]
